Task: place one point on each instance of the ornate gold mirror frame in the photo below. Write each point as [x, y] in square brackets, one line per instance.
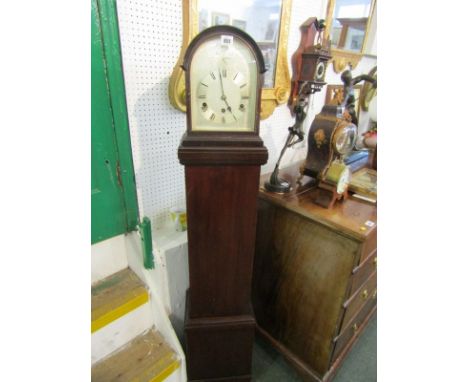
[271, 97]
[341, 57]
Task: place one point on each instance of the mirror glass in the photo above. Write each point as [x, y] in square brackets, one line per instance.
[259, 18]
[349, 24]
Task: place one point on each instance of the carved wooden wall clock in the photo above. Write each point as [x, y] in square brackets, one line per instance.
[309, 61]
[222, 154]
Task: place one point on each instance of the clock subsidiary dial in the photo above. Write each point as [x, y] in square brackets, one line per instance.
[223, 83]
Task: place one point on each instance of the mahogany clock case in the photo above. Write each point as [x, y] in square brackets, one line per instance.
[222, 173]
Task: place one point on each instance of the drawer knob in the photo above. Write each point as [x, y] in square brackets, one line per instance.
[355, 327]
[375, 261]
[374, 295]
[365, 294]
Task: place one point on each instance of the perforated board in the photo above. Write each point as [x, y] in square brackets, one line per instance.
[151, 37]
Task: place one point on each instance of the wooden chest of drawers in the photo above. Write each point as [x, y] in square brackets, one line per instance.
[314, 281]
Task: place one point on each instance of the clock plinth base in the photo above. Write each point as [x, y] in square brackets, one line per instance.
[219, 348]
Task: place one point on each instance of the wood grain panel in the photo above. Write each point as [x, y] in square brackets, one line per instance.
[221, 248]
[291, 254]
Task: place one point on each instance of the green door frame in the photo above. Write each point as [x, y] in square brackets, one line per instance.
[107, 13]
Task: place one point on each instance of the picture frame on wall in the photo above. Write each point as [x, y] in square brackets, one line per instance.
[220, 18]
[335, 96]
[241, 24]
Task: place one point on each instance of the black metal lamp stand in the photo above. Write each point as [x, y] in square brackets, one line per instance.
[277, 184]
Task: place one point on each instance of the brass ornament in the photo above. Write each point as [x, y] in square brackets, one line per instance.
[344, 59]
[271, 97]
[319, 137]
[337, 96]
[333, 172]
[281, 94]
[267, 107]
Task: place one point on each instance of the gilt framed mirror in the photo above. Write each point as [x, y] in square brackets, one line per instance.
[267, 21]
[347, 27]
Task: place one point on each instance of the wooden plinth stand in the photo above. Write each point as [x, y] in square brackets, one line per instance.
[222, 209]
[219, 348]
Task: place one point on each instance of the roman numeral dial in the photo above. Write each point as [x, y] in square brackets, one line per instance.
[223, 96]
[223, 89]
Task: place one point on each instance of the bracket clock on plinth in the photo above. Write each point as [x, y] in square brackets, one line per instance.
[331, 137]
[222, 154]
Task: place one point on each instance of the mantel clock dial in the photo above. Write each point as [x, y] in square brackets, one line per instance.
[344, 139]
[320, 71]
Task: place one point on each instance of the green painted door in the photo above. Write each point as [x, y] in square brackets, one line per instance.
[113, 195]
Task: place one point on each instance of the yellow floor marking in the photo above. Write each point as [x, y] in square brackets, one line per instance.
[119, 311]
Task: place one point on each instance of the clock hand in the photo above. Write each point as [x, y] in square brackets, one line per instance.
[223, 96]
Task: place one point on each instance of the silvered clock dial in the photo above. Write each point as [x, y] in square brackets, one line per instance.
[223, 77]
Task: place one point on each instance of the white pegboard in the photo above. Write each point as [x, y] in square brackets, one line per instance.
[151, 36]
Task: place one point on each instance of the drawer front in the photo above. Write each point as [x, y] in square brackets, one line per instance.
[369, 246]
[351, 330]
[362, 272]
[367, 291]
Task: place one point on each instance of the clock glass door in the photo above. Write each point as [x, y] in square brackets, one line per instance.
[223, 81]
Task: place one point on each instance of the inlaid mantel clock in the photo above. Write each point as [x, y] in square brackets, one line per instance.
[222, 154]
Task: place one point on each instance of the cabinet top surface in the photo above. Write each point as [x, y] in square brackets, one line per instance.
[351, 217]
